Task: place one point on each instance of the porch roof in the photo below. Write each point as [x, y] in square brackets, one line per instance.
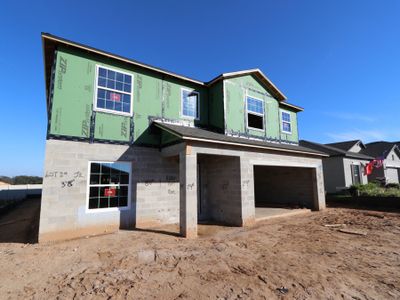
[201, 135]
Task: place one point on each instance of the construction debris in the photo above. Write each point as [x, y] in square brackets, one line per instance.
[283, 290]
[356, 232]
[334, 225]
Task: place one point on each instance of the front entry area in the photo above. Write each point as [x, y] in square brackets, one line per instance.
[283, 190]
[218, 189]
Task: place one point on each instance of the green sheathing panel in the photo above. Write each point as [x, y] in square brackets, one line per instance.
[160, 97]
[147, 101]
[234, 108]
[236, 90]
[73, 95]
[216, 107]
[294, 136]
[112, 127]
[154, 96]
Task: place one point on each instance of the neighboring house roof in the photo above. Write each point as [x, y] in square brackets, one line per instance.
[50, 41]
[333, 151]
[202, 135]
[347, 145]
[380, 148]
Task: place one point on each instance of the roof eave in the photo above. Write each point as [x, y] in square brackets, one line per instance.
[183, 137]
[117, 57]
[292, 106]
[45, 73]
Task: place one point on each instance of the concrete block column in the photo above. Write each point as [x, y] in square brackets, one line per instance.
[319, 190]
[188, 193]
[247, 192]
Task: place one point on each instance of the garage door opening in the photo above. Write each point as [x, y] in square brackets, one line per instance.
[283, 190]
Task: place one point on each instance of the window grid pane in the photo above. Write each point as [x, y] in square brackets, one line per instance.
[189, 104]
[286, 127]
[119, 99]
[255, 105]
[286, 117]
[109, 185]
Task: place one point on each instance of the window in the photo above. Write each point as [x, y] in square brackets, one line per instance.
[113, 91]
[255, 113]
[190, 104]
[109, 185]
[356, 174]
[286, 122]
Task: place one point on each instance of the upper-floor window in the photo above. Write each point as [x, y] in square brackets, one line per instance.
[286, 122]
[113, 91]
[255, 113]
[190, 103]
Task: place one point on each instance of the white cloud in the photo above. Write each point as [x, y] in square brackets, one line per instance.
[351, 116]
[357, 134]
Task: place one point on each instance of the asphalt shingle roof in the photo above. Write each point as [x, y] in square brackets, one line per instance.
[194, 133]
[346, 146]
[333, 151]
[376, 149]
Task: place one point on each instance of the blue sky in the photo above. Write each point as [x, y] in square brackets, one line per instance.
[340, 60]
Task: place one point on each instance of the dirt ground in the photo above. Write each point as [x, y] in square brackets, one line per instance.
[295, 257]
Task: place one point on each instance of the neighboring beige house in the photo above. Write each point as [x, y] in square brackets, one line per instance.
[345, 163]
[390, 152]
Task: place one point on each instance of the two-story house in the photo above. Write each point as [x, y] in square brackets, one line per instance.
[131, 145]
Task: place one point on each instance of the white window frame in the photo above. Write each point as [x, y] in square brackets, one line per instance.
[197, 108]
[282, 121]
[96, 88]
[107, 209]
[358, 165]
[255, 113]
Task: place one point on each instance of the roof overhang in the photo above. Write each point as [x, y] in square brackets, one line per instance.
[239, 142]
[291, 106]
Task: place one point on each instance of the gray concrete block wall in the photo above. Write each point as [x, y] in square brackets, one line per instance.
[283, 185]
[247, 191]
[188, 193]
[156, 186]
[250, 157]
[223, 189]
[154, 189]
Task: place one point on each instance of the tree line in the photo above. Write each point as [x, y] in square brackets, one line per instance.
[22, 179]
